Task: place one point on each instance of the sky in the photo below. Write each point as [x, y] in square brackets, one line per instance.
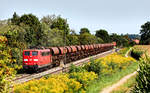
[115, 16]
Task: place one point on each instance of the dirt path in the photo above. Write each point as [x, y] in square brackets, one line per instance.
[109, 89]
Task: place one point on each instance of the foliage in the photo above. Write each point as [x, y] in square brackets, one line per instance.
[93, 66]
[31, 24]
[61, 24]
[6, 69]
[15, 36]
[84, 30]
[120, 40]
[109, 64]
[54, 84]
[132, 43]
[34, 32]
[15, 40]
[48, 20]
[99, 40]
[140, 51]
[145, 33]
[73, 39]
[30, 20]
[114, 62]
[74, 68]
[123, 51]
[62, 83]
[87, 38]
[103, 34]
[53, 37]
[143, 77]
[16, 19]
[136, 53]
[85, 78]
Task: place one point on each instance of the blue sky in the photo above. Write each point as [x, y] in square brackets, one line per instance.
[116, 16]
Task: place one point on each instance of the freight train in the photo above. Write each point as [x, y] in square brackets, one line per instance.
[36, 58]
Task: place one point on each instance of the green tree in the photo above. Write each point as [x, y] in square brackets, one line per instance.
[61, 24]
[145, 33]
[99, 40]
[119, 39]
[16, 40]
[103, 34]
[30, 19]
[32, 26]
[15, 20]
[84, 30]
[73, 39]
[48, 20]
[87, 38]
[53, 37]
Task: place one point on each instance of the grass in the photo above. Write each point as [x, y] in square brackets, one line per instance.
[123, 51]
[127, 86]
[105, 81]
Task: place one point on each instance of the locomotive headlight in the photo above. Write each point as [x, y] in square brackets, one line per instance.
[35, 59]
[25, 59]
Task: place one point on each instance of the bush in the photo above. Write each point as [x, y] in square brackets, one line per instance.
[114, 62]
[85, 78]
[143, 77]
[6, 69]
[136, 53]
[54, 84]
[74, 68]
[93, 66]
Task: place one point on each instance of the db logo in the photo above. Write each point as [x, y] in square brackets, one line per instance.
[30, 59]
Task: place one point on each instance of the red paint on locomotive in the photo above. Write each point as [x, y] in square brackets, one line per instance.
[36, 58]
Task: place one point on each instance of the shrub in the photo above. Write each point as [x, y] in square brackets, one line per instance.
[74, 68]
[143, 77]
[6, 69]
[85, 78]
[136, 53]
[93, 66]
[54, 84]
[114, 62]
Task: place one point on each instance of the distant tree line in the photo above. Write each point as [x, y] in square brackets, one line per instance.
[27, 31]
[52, 30]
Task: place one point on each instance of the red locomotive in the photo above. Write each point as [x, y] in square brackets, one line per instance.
[52, 56]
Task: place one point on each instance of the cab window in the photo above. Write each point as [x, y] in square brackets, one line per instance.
[34, 53]
[45, 53]
[27, 53]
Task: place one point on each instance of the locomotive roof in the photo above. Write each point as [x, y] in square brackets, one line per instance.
[35, 49]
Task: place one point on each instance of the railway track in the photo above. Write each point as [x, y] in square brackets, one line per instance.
[27, 77]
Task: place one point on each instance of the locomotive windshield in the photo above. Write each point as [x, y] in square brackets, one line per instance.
[27, 53]
[34, 53]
